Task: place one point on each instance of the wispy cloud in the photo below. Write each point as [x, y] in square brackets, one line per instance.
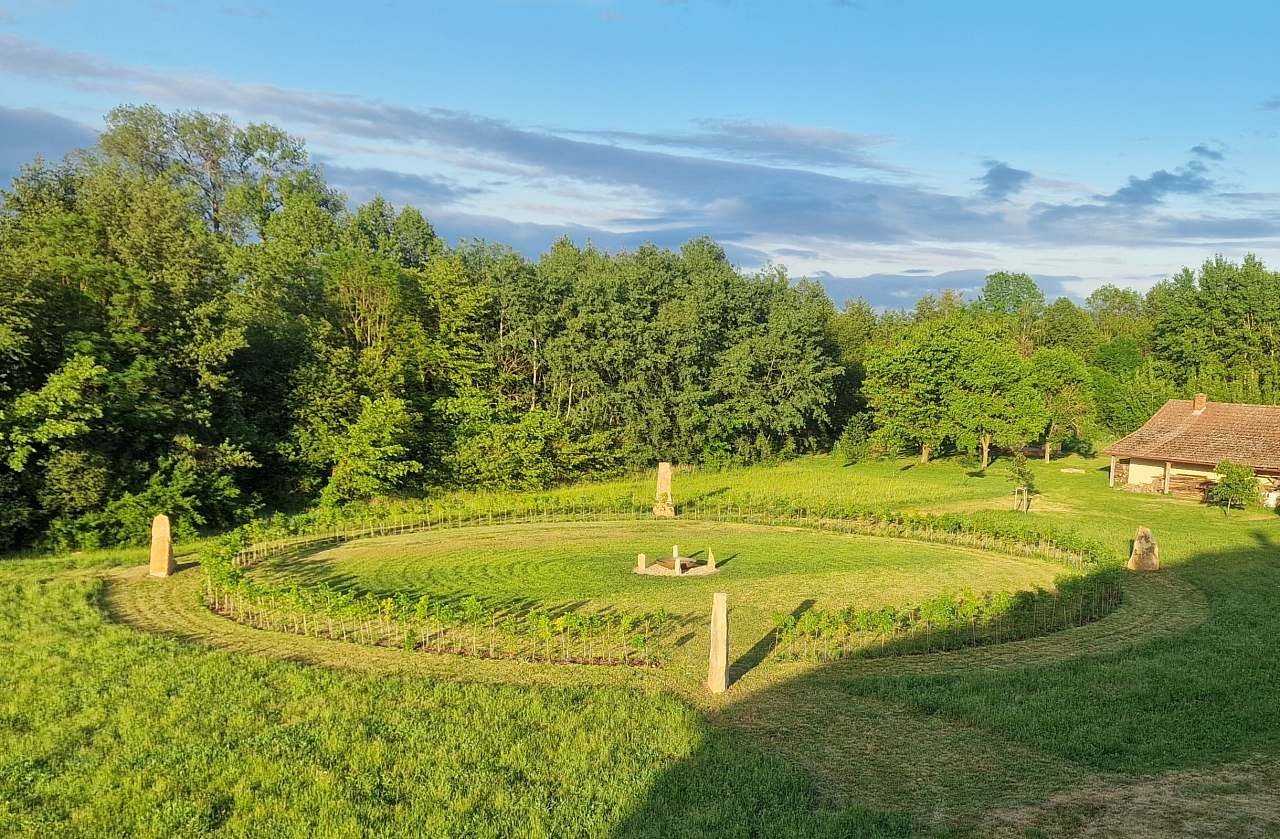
[1001, 180]
[1191, 179]
[362, 183]
[1271, 104]
[1208, 152]
[767, 142]
[763, 188]
[1122, 211]
[715, 196]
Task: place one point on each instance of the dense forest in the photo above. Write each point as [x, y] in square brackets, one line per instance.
[191, 320]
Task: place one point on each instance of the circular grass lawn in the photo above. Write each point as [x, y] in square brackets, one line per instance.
[588, 566]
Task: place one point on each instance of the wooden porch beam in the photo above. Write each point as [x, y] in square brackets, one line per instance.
[1167, 465]
[1111, 475]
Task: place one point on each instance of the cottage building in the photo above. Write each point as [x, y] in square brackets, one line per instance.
[1175, 451]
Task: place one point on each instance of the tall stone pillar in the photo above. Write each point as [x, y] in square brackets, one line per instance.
[664, 505]
[162, 564]
[718, 669]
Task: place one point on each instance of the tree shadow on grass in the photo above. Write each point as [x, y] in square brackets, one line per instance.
[760, 649]
[722, 562]
[939, 743]
[709, 493]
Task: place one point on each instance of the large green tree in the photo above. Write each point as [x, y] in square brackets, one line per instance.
[909, 383]
[991, 400]
[1062, 380]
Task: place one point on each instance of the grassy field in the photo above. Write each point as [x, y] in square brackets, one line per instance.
[127, 708]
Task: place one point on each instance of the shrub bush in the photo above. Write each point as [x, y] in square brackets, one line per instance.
[1236, 486]
[855, 440]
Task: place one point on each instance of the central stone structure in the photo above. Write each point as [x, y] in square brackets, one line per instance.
[664, 503]
[676, 565]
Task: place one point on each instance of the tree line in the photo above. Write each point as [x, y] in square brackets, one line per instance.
[1010, 370]
[192, 320]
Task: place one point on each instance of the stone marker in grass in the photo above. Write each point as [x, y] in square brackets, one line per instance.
[664, 505]
[718, 669]
[162, 564]
[642, 562]
[711, 560]
[1145, 555]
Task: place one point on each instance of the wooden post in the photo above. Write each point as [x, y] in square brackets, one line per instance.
[1111, 475]
[718, 669]
[1167, 464]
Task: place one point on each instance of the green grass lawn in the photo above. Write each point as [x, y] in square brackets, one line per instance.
[1163, 711]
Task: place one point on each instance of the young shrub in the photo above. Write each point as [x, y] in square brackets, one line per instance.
[855, 440]
[370, 456]
[1022, 477]
[1236, 487]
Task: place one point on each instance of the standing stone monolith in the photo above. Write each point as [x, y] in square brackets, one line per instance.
[162, 564]
[642, 562]
[664, 503]
[1145, 555]
[718, 669]
[675, 559]
[711, 560]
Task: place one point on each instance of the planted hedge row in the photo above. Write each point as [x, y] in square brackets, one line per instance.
[468, 627]
[948, 621]
[457, 626]
[281, 534]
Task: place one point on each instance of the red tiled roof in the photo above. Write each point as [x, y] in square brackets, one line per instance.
[1247, 434]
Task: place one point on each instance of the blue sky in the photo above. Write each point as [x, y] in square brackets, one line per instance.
[887, 147]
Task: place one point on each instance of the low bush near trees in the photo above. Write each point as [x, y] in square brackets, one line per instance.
[856, 441]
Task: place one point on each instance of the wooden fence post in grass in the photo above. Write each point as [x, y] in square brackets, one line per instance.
[162, 564]
[718, 669]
